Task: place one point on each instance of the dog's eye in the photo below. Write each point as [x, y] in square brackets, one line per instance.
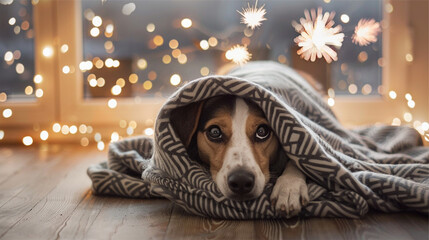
[214, 133]
[262, 132]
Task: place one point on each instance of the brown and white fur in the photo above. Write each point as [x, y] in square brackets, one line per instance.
[232, 136]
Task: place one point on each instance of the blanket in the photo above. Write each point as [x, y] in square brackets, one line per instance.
[385, 168]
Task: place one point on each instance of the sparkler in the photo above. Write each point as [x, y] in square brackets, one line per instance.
[253, 16]
[366, 32]
[316, 34]
[238, 54]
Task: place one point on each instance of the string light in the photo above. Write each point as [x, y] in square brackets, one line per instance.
[316, 34]
[253, 16]
[7, 113]
[112, 103]
[48, 51]
[1, 134]
[97, 21]
[27, 140]
[392, 94]
[44, 135]
[186, 23]
[175, 79]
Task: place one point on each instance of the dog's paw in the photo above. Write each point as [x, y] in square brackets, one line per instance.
[289, 195]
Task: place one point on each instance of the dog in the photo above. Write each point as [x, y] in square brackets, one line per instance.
[232, 136]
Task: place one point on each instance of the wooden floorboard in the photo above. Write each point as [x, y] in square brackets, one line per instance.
[46, 194]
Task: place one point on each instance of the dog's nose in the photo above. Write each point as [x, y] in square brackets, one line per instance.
[241, 182]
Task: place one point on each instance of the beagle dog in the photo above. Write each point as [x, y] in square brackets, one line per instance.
[232, 136]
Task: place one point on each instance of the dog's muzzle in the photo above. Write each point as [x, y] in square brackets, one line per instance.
[241, 182]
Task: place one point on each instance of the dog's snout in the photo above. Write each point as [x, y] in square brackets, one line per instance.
[241, 182]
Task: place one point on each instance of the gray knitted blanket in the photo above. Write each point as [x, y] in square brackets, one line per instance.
[348, 171]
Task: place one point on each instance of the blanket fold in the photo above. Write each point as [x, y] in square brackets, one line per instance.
[348, 171]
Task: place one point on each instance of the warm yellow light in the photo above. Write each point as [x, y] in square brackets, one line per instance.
[331, 102]
[130, 131]
[204, 44]
[64, 48]
[396, 122]
[38, 79]
[166, 59]
[363, 56]
[345, 18]
[133, 124]
[20, 68]
[93, 82]
[28, 90]
[186, 23]
[122, 123]
[238, 54]
[116, 90]
[114, 137]
[388, 7]
[3, 97]
[353, 88]
[147, 85]
[408, 117]
[99, 64]
[85, 65]
[73, 129]
[133, 78]
[97, 137]
[27, 140]
[150, 27]
[158, 40]
[182, 59]
[39, 93]
[100, 146]
[212, 42]
[425, 126]
[101, 82]
[44, 135]
[56, 127]
[112, 103]
[48, 51]
[84, 141]
[65, 129]
[66, 69]
[152, 75]
[108, 62]
[116, 63]
[12, 21]
[175, 79]
[411, 104]
[97, 21]
[89, 129]
[1, 134]
[409, 57]
[327, 1]
[82, 128]
[173, 44]
[408, 96]
[94, 32]
[148, 131]
[176, 53]
[142, 63]
[204, 71]
[7, 113]
[392, 94]
[109, 28]
[8, 56]
[108, 45]
[120, 82]
[366, 89]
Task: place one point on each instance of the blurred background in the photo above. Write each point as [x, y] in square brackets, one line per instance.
[96, 71]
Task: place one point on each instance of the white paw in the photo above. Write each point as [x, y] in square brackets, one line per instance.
[289, 195]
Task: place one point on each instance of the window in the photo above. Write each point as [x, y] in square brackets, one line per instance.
[111, 64]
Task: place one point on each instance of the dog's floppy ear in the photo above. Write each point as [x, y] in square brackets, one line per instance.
[185, 121]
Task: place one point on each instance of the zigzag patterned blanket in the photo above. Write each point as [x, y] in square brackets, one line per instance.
[380, 167]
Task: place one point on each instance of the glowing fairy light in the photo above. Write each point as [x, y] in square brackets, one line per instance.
[114, 137]
[100, 146]
[238, 54]
[27, 140]
[148, 131]
[366, 32]
[44, 135]
[408, 117]
[73, 129]
[396, 122]
[12, 21]
[38, 79]
[28, 90]
[7, 113]
[1, 134]
[392, 94]
[316, 33]
[116, 90]
[345, 18]
[66, 69]
[3, 97]
[8, 56]
[175, 79]
[112, 103]
[97, 137]
[97, 21]
[142, 63]
[186, 23]
[84, 141]
[150, 27]
[82, 128]
[48, 51]
[204, 44]
[253, 16]
[39, 93]
[331, 102]
[130, 131]
[109, 28]
[56, 127]
[94, 32]
[64, 48]
[128, 8]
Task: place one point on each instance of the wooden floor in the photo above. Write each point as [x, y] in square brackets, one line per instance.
[45, 194]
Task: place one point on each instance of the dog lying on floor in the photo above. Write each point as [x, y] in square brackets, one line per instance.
[233, 137]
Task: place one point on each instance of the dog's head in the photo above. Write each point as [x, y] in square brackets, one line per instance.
[233, 137]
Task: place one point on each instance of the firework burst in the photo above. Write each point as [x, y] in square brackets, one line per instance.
[253, 16]
[317, 33]
[238, 54]
[366, 32]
